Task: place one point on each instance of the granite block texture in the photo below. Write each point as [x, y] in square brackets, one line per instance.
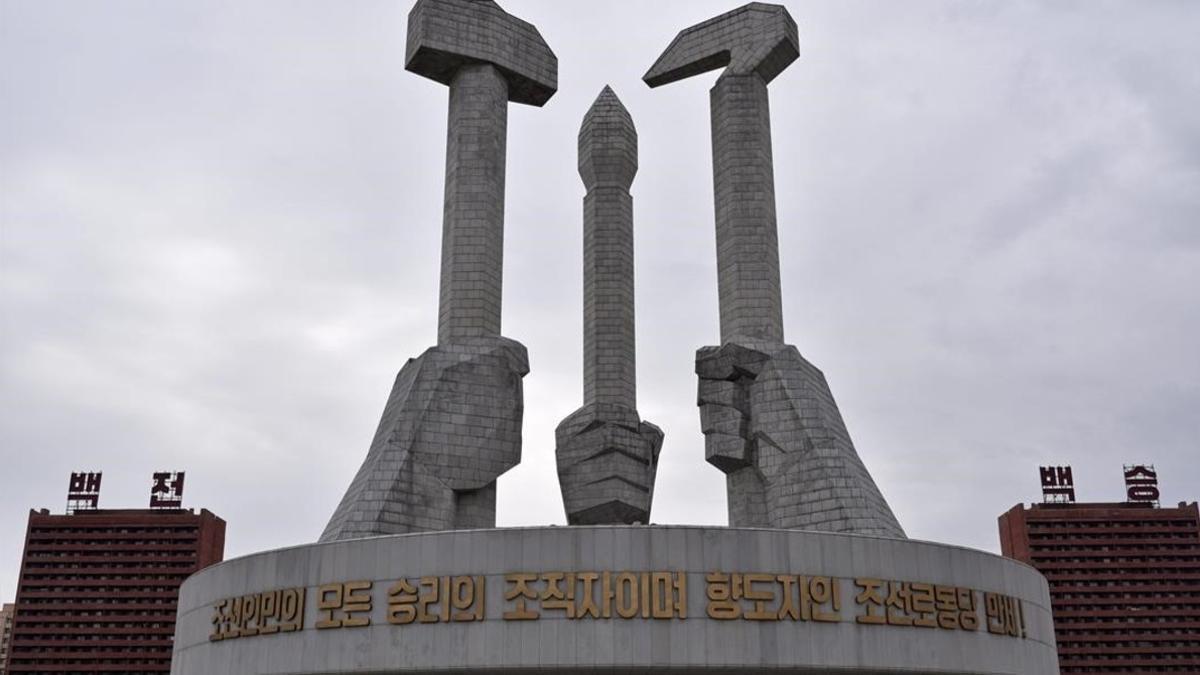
[451, 427]
[756, 38]
[607, 462]
[446, 35]
[452, 424]
[772, 426]
[769, 419]
[473, 213]
[607, 456]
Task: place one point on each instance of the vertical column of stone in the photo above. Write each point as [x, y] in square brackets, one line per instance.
[744, 185]
[608, 346]
[607, 456]
[609, 374]
[473, 217]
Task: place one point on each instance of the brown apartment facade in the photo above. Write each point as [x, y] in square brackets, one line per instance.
[1124, 582]
[98, 588]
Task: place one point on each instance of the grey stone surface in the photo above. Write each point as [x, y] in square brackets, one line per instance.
[607, 456]
[769, 419]
[555, 643]
[445, 35]
[488, 58]
[608, 162]
[473, 217]
[452, 424]
[756, 38]
[754, 44]
[771, 424]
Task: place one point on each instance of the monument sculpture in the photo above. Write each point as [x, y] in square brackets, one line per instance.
[769, 420]
[411, 575]
[452, 424]
[607, 456]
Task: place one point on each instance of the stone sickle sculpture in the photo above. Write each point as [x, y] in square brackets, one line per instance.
[770, 422]
[452, 424]
[607, 456]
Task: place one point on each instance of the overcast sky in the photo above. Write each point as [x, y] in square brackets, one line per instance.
[220, 226]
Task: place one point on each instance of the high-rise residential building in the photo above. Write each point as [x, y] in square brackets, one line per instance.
[1124, 579]
[98, 588]
[6, 619]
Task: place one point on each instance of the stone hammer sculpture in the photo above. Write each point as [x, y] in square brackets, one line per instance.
[769, 419]
[452, 424]
[607, 456]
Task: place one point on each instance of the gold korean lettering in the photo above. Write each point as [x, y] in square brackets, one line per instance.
[357, 604]
[344, 605]
[220, 621]
[559, 593]
[291, 609]
[815, 594]
[249, 615]
[946, 607]
[467, 597]
[268, 609]
[968, 615]
[724, 591]
[264, 613]
[521, 593]
[587, 598]
[668, 595]
[431, 598]
[759, 589]
[787, 607]
[995, 614]
[626, 599]
[923, 605]
[402, 601]
[899, 604]
[1004, 615]
[870, 596]
[235, 617]
[329, 600]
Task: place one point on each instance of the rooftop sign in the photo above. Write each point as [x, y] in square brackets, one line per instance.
[83, 492]
[1141, 484]
[1058, 486]
[167, 490]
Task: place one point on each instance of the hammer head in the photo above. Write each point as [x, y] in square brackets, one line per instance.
[444, 35]
[756, 38]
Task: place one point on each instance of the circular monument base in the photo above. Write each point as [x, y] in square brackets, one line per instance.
[617, 599]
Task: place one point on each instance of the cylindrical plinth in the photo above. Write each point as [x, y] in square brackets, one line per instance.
[631, 599]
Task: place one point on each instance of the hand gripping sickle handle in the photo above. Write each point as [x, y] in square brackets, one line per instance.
[770, 422]
[754, 44]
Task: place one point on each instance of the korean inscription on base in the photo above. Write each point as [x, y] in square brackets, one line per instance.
[626, 595]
